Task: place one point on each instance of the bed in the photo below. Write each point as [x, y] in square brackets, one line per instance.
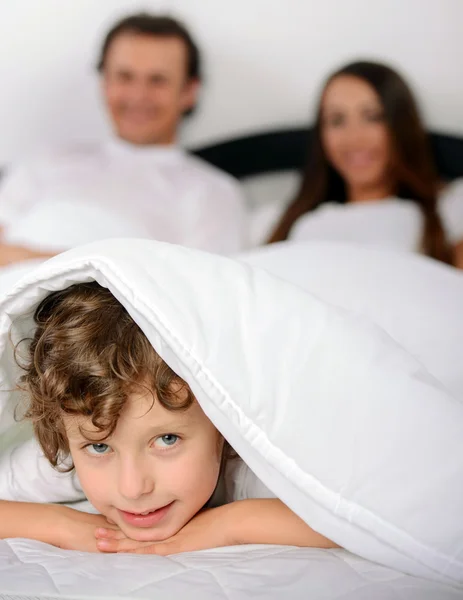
[30, 570]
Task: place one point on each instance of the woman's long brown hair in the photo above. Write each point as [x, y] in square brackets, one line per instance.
[412, 167]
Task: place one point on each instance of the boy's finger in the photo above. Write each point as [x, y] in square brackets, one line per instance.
[160, 548]
[108, 533]
[128, 546]
[107, 545]
[125, 545]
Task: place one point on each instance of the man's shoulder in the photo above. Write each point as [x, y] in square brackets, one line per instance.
[212, 175]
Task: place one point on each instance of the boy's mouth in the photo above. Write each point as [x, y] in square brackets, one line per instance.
[145, 519]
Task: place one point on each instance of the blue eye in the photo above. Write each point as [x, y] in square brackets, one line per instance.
[168, 440]
[98, 449]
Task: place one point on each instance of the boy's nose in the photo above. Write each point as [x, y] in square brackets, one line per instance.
[134, 480]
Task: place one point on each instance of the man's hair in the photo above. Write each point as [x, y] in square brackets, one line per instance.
[86, 357]
[156, 26]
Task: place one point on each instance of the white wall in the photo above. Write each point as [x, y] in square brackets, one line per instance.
[265, 60]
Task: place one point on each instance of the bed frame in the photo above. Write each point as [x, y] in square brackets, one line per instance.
[286, 150]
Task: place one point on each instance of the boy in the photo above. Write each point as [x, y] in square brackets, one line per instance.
[148, 459]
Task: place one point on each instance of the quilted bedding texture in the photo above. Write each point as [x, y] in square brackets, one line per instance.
[33, 570]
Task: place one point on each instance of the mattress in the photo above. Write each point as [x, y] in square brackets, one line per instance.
[35, 570]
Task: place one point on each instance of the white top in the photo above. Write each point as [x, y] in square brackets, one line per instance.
[391, 222]
[120, 190]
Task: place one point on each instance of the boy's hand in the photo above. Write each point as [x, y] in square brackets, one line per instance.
[52, 524]
[208, 529]
[75, 530]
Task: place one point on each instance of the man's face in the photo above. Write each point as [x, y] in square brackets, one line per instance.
[146, 87]
[155, 472]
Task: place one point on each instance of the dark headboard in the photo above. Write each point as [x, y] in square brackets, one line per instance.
[286, 150]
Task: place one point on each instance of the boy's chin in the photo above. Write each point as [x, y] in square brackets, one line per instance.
[155, 534]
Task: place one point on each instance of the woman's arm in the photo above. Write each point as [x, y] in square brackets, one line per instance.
[50, 523]
[252, 521]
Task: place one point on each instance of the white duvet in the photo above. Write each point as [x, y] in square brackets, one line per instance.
[418, 301]
[398, 498]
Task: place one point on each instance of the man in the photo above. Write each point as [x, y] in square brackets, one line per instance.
[139, 183]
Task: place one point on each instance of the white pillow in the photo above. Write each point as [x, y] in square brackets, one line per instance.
[330, 414]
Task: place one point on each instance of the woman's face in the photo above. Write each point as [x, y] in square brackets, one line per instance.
[355, 137]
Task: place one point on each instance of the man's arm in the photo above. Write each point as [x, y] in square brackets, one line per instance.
[10, 254]
[221, 224]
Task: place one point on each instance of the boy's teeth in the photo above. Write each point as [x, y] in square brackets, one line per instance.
[146, 513]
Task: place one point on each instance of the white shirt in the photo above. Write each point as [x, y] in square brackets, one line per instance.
[120, 190]
[390, 223]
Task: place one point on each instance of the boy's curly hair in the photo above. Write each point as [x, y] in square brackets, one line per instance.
[85, 358]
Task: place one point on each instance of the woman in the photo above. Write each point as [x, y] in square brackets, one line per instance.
[370, 174]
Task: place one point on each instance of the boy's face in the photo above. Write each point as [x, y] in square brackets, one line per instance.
[160, 462]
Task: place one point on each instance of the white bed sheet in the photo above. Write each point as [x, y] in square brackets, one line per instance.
[33, 569]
